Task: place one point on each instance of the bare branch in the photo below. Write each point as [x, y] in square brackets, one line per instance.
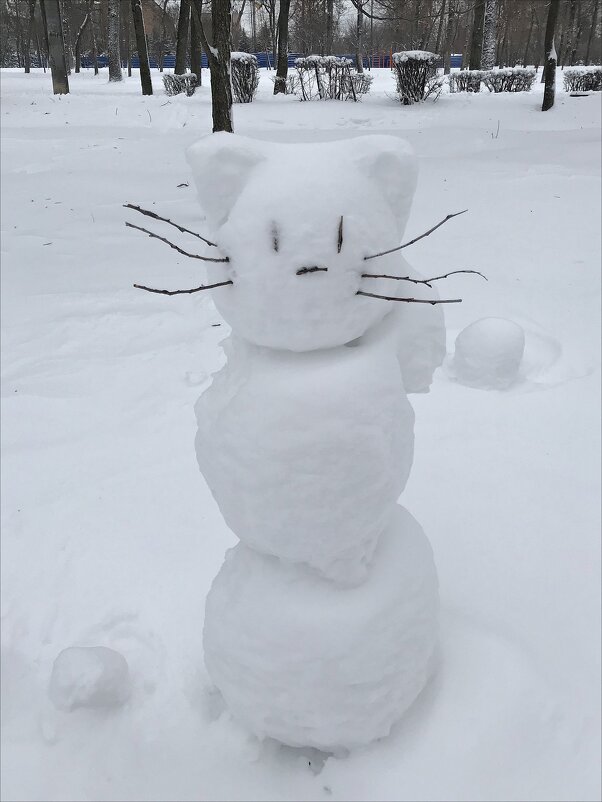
[170, 222]
[340, 240]
[412, 241]
[175, 247]
[409, 300]
[425, 281]
[313, 269]
[183, 292]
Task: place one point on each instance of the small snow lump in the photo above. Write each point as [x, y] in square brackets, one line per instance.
[488, 353]
[89, 676]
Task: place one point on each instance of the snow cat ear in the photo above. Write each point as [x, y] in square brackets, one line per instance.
[392, 165]
[221, 165]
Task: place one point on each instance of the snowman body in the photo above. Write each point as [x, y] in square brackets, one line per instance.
[320, 628]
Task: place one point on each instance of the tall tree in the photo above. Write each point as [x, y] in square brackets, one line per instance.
[113, 41]
[476, 40]
[218, 57]
[182, 37]
[550, 56]
[56, 47]
[329, 24]
[592, 31]
[78, 41]
[93, 36]
[145, 76]
[282, 68]
[489, 35]
[195, 49]
[30, 24]
[359, 24]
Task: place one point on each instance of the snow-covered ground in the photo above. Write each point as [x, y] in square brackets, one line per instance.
[111, 538]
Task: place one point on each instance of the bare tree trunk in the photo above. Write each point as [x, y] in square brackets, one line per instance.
[282, 69]
[45, 27]
[93, 36]
[145, 76]
[39, 51]
[476, 41]
[577, 39]
[450, 38]
[329, 21]
[570, 34]
[69, 57]
[182, 37]
[78, 38]
[30, 22]
[56, 47]
[195, 49]
[163, 36]
[591, 32]
[219, 60]
[440, 28]
[113, 41]
[550, 64]
[526, 54]
[489, 35]
[128, 42]
[359, 20]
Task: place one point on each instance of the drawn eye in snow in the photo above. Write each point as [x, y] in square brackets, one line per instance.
[427, 282]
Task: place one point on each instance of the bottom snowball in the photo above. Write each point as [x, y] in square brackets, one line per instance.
[310, 663]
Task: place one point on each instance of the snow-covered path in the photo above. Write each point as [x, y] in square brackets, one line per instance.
[110, 536]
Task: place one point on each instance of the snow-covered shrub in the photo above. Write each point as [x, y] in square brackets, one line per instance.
[509, 79]
[416, 75]
[583, 79]
[328, 78]
[177, 84]
[245, 77]
[465, 81]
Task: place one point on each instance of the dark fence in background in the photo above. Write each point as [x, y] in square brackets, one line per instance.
[377, 60]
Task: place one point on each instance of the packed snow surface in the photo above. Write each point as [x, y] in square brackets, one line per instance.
[110, 538]
[488, 353]
[310, 664]
[89, 676]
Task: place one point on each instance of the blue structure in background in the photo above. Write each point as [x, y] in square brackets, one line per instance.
[378, 60]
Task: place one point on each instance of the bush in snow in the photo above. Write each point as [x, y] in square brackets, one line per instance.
[245, 77]
[178, 84]
[583, 79]
[465, 81]
[416, 75]
[328, 78]
[509, 79]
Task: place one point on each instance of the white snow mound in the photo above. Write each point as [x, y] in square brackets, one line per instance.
[488, 353]
[89, 676]
[307, 454]
[300, 660]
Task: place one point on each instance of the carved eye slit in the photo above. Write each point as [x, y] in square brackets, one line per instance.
[275, 239]
[340, 240]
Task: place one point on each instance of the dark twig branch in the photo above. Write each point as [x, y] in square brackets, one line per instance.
[410, 300]
[340, 239]
[175, 247]
[183, 292]
[155, 216]
[412, 241]
[313, 269]
[425, 281]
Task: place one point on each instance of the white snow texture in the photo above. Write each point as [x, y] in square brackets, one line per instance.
[320, 629]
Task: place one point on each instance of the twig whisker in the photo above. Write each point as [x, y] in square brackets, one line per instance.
[425, 281]
[183, 292]
[156, 216]
[412, 241]
[410, 300]
[176, 247]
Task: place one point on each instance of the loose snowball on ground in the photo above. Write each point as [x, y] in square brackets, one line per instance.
[488, 353]
[89, 676]
[307, 454]
[301, 660]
